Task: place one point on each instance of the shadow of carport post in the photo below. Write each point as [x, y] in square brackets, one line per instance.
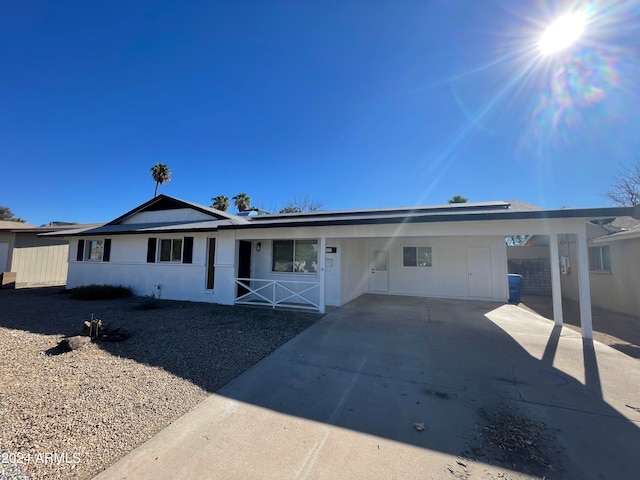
[591, 371]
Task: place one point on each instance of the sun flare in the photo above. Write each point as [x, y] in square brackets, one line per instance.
[562, 33]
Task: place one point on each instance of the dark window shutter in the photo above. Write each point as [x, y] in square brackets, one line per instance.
[151, 250]
[80, 254]
[106, 254]
[187, 254]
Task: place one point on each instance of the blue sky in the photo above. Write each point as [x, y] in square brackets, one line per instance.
[356, 103]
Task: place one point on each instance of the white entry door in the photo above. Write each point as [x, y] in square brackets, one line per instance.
[479, 272]
[378, 270]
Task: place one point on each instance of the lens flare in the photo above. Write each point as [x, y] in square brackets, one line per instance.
[562, 33]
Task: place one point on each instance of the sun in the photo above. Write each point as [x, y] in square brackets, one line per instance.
[562, 33]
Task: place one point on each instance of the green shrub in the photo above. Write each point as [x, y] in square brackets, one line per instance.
[100, 292]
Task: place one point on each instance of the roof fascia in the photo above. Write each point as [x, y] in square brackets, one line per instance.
[588, 213]
[90, 233]
[498, 206]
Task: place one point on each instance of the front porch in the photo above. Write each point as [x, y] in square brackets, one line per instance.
[278, 293]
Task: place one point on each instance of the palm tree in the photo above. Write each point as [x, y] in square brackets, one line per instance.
[458, 199]
[220, 203]
[242, 201]
[160, 174]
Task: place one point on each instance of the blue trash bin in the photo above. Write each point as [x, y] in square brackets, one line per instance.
[515, 282]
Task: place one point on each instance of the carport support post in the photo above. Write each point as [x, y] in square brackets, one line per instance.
[322, 255]
[584, 291]
[556, 289]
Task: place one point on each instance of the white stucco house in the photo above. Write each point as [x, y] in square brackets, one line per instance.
[180, 250]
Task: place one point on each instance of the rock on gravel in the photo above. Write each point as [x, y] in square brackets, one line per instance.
[74, 343]
[73, 414]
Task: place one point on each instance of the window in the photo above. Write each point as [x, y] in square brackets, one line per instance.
[600, 259]
[94, 250]
[211, 261]
[416, 256]
[171, 250]
[297, 256]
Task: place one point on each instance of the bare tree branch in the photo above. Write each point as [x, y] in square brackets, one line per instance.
[302, 204]
[625, 189]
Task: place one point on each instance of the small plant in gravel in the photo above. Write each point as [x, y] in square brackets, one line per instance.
[100, 292]
[148, 303]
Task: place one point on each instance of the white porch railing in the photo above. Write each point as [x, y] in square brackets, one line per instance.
[277, 293]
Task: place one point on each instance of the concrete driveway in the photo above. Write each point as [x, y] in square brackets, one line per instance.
[501, 392]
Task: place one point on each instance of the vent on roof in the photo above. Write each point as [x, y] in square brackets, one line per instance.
[253, 213]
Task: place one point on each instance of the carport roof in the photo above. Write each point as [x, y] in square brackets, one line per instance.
[512, 210]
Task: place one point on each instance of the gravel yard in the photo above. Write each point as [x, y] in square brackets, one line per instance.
[71, 415]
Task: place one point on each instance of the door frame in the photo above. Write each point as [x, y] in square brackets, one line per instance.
[244, 264]
[489, 264]
[370, 269]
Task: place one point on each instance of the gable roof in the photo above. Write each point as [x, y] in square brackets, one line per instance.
[165, 202]
[218, 218]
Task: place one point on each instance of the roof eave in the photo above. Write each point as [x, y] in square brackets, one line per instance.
[614, 237]
[589, 213]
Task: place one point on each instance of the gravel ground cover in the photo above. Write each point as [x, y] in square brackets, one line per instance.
[71, 415]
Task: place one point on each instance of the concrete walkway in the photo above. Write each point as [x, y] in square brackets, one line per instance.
[341, 400]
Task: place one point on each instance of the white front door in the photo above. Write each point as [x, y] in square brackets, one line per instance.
[378, 270]
[332, 274]
[479, 272]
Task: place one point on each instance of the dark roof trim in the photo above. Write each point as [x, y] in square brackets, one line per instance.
[459, 217]
[469, 207]
[90, 233]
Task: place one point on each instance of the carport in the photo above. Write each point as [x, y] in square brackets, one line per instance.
[369, 251]
[348, 398]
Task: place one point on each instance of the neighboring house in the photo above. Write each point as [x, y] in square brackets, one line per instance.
[180, 250]
[614, 264]
[29, 260]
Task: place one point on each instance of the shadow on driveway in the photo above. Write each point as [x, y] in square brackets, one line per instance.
[490, 382]
[617, 330]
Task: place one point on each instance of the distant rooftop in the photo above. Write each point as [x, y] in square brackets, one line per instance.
[8, 225]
